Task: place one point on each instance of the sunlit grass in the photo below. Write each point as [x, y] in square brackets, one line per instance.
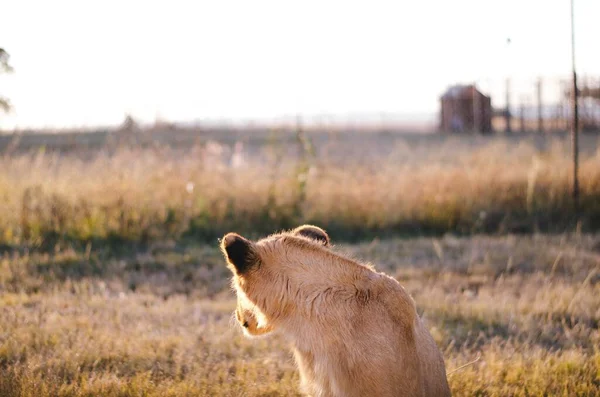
[82, 314]
[204, 191]
[159, 322]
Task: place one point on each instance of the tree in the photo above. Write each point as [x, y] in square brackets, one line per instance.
[4, 68]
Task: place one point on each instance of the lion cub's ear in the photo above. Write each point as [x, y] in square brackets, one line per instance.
[313, 233]
[239, 252]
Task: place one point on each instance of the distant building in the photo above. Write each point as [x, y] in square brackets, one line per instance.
[465, 109]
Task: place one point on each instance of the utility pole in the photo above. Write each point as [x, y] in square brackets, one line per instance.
[540, 105]
[507, 113]
[575, 115]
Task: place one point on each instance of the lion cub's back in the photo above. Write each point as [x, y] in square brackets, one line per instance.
[416, 339]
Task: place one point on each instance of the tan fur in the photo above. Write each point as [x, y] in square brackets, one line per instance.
[354, 332]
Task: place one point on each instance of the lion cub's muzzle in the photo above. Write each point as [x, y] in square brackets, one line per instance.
[248, 320]
[240, 319]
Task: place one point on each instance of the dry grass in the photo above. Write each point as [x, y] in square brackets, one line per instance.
[159, 323]
[206, 190]
[82, 314]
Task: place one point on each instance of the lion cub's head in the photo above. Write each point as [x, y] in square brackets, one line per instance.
[267, 274]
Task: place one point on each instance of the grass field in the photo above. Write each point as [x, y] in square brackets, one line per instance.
[111, 283]
[372, 186]
[159, 322]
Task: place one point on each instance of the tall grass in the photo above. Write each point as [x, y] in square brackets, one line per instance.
[79, 318]
[145, 194]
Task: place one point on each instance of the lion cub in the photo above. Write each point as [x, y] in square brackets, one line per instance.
[354, 331]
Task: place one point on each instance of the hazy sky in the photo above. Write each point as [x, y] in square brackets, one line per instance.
[90, 62]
